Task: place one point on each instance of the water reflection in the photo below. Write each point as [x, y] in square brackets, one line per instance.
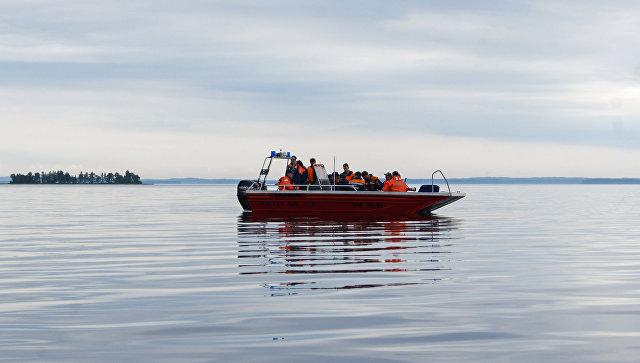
[304, 254]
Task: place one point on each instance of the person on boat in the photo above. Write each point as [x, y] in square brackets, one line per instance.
[386, 186]
[371, 182]
[339, 182]
[285, 182]
[291, 167]
[311, 175]
[300, 175]
[347, 174]
[357, 180]
[334, 178]
[398, 185]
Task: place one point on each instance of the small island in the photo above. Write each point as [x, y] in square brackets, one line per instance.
[61, 177]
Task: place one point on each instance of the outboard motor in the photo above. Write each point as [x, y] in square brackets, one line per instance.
[243, 186]
[429, 188]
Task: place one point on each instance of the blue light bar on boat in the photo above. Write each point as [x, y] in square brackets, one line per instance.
[280, 154]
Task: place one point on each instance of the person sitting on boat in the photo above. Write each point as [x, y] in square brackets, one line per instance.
[397, 184]
[371, 182]
[334, 178]
[347, 174]
[285, 182]
[386, 186]
[357, 180]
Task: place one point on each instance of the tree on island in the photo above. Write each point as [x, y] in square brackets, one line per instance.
[61, 177]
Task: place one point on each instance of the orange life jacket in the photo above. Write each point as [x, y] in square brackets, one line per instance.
[386, 187]
[357, 181]
[398, 185]
[310, 175]
[285, 183]
[300, 169]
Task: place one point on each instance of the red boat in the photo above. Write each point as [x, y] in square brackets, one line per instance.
[326, 199]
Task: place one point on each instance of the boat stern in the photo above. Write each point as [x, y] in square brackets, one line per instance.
[243, 186]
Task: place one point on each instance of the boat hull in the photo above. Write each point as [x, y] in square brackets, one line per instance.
[340, 203]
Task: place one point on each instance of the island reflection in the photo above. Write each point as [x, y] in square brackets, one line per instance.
[298, 254]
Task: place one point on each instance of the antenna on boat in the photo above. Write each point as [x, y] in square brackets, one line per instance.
[333, 176]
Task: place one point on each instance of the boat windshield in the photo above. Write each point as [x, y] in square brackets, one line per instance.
[321, 174]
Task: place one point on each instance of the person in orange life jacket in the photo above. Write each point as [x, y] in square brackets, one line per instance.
[300, 167]
[285, 182]
[357, 180]
[347, 174]
[371, 182]
[300, 176]
[386, 187]
[311, 175]
[398, 185]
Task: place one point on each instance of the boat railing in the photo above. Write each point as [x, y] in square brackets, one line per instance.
[311, 187]
[443, 177]
[330, 187]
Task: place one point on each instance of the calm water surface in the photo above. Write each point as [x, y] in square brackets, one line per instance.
[176, 273]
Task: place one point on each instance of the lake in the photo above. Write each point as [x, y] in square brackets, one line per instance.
[177, 273]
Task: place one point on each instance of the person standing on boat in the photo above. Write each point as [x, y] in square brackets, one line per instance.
[300, 175]
[371, 182]
[285, 182]
[291, 167]
[311, 174]
[347, 174]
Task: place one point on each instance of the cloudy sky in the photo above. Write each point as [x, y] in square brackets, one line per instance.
[207, 88]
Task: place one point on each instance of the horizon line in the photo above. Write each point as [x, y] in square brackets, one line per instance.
[460, 180]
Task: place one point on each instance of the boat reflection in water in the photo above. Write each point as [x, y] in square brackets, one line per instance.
[291, 255]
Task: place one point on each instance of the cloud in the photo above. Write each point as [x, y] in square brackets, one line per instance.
[131, 78]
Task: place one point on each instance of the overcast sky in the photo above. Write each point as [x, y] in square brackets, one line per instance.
[207, 88]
